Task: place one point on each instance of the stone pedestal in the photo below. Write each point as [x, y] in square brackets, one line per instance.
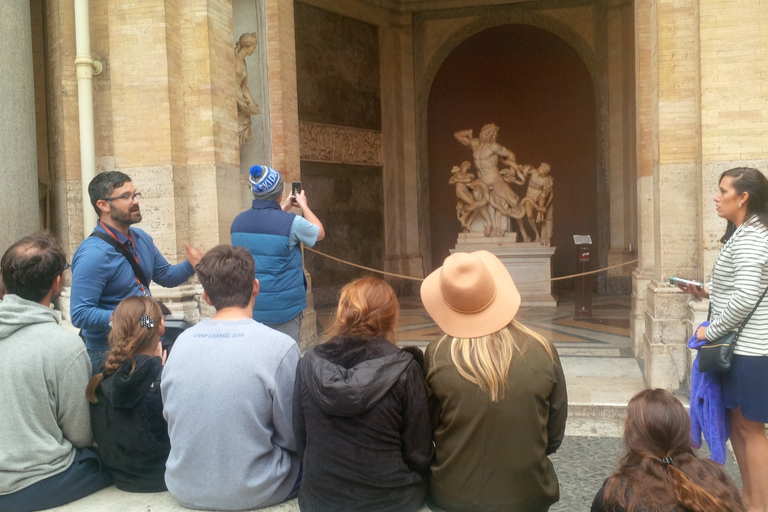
[184, 302]
[529, 264]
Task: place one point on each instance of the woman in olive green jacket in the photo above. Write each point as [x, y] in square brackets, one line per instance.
[496, 392]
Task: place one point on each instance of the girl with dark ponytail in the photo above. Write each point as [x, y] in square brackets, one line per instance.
[660, 472]
[126, 405]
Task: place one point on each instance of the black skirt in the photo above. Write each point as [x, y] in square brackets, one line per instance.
[746, 385]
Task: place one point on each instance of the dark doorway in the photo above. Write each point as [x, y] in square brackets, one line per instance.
[537, 89]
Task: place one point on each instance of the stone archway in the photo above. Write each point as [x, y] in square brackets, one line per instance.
[514, 75]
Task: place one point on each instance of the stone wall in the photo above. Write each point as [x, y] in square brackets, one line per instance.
[164, 113]
[349, 201]
[339, 103]
[337, 62]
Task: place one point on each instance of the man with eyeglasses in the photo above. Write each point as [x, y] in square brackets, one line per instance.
[117, 261]
[46, 453]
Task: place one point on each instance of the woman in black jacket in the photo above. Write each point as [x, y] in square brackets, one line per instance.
[126, 406]
[360, 411]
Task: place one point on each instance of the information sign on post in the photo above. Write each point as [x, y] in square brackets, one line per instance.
[583, 302]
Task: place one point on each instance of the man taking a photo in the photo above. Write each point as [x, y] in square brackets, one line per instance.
[274, 236]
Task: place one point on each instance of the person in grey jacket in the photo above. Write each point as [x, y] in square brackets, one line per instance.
[46, 459]
[226, 391]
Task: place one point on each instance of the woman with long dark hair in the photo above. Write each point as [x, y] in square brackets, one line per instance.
[360, 411]
[660, 472]
[497, 393]
[739, 277]
[126, 405]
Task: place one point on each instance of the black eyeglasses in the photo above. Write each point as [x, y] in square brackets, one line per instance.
[124, 197]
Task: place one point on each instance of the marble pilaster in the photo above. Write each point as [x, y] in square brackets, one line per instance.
[676, 190]
[401, 227]
[18, 152]
[646, 148]
[283, 120]
[621, 148]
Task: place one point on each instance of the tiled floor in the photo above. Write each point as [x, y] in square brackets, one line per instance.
[596, 355]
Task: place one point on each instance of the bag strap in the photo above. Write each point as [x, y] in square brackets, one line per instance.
[738, 333]
[127, 255]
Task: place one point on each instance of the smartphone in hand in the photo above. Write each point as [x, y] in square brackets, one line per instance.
[296, 188]
[678, 281]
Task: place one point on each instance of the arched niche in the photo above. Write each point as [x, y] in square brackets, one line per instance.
[540, 91]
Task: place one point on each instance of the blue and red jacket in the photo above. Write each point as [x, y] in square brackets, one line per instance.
[265, 231]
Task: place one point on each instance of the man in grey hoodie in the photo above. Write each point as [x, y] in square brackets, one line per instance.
[45, 430]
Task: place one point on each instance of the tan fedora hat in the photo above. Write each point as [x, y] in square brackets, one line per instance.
[471, 295]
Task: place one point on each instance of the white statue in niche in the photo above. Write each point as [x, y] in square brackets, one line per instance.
[461, 178]
[472, 198]
[246, 105]
[539, 192]
[492, 195]
[504, 202]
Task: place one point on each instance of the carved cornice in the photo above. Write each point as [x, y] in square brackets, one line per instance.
[320, 142]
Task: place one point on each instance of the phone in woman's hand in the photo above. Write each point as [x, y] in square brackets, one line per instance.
[679, 281]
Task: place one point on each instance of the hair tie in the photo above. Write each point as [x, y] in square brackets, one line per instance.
[146, 321]
[666, 461]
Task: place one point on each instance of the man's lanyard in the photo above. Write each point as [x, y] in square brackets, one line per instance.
[135, 253]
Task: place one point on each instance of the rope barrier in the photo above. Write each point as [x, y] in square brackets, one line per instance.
[421, 279]
[581, 273]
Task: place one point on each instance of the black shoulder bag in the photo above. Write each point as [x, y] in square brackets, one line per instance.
[124, 252]
[173, 327]
[716, 355]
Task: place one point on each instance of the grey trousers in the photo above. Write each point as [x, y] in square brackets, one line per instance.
[292, 328]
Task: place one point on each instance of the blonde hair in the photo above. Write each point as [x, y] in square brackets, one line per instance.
[368, 307]
[128, 337]
[485, 361]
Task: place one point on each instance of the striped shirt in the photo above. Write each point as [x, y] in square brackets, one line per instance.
[739, 278]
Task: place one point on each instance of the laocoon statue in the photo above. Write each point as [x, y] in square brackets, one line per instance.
[492, 198]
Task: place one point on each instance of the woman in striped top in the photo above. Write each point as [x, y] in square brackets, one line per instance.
[739, 277]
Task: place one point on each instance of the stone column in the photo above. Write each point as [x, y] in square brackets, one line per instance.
[18, 151]
[646, 101]
[676, 191]
[284, 120]
[401, 226]
[621, 156]
[174, 123]
[283, 96]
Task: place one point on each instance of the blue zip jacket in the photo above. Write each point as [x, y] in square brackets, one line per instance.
[102, 277]
[707, 412]
[265, 231]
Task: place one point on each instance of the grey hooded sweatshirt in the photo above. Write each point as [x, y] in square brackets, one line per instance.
[44, 415]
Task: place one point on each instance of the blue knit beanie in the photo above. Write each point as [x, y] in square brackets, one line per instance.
[266, 183]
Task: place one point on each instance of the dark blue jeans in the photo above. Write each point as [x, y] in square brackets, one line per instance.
[97, 357]
[85, 476]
